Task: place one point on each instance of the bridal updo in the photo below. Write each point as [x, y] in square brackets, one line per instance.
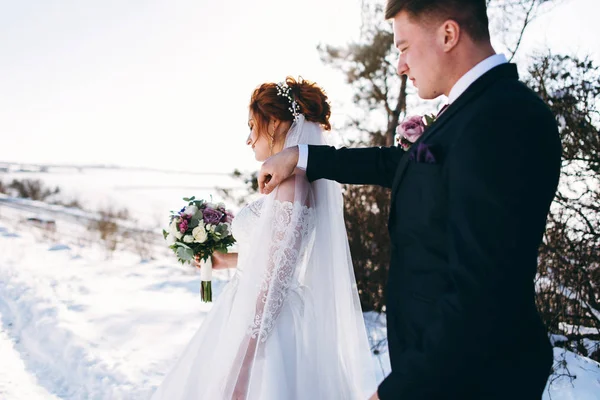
[267, 102]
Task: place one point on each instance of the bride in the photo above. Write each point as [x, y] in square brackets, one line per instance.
[289, 324]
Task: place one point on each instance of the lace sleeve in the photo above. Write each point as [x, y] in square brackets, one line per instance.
[288, 222]
[290, 231]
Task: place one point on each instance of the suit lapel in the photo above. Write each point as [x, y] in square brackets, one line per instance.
[477, 88]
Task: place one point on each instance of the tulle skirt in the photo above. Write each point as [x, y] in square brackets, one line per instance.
[287, 372]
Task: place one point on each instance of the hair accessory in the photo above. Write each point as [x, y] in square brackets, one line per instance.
[284, 90]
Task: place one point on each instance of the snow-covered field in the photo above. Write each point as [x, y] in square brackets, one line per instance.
[76, 325]
[147, 194]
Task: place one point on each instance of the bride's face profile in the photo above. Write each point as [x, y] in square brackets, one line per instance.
[258, 140]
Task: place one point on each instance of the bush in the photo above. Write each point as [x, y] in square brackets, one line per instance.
[32, 189]
[107, 226]
[568, 281]
[142, 242]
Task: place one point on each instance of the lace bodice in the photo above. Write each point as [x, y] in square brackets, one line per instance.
[243, 223]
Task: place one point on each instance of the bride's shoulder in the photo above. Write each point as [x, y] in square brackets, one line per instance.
[283, 198]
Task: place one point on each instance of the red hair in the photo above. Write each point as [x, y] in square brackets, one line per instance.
[312, 100]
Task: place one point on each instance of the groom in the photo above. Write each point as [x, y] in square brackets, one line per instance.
[469, 202]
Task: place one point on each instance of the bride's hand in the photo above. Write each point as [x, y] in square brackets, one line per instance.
[219, 261]
[239, 393]
[241, 386]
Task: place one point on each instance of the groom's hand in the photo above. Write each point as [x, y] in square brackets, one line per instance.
[277, 169]
[374, 397]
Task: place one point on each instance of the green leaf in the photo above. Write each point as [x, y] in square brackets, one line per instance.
[186, 199]
[429, 119]
[181, 244]
[185, 254]
[221, 229]
[194, 222]
[165, 234]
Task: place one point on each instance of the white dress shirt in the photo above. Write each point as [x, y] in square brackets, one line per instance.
[459, 88]
[474, 73]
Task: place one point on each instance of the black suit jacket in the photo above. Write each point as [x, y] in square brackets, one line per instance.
[465, 232]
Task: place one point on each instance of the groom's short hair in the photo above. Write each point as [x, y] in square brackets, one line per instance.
[471, 15]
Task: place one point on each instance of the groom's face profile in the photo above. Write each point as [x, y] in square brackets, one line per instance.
[421, 54]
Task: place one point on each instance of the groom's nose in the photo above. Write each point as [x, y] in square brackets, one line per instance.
[402, 67]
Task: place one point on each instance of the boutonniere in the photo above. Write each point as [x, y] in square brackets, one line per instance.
[411, 129]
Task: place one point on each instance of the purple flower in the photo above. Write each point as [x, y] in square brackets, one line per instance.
[183, 225]
[227, 217]
[412, 128]
[212, 216]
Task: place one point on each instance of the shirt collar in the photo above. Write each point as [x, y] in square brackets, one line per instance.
[475, 73]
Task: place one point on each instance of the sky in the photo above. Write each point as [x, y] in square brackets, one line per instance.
[165, 84]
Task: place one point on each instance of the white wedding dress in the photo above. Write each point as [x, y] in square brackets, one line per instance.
[288, 325]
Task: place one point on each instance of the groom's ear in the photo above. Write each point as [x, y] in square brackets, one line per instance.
[449, 34]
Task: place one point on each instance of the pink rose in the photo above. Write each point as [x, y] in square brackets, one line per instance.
[183, 225]
[412, 128]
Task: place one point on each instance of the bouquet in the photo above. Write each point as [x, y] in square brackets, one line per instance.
[196, 232]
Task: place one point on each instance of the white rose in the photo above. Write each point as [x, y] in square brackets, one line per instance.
[221, 205]
[199, 234]
[191, 210]
[171, 239]
[173, 226]
[188, 239]
[174, 230]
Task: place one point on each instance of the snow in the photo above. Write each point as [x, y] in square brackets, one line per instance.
[586, 385]
[148, 195]
[76, 324]
[16, 383]
[90, 328]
